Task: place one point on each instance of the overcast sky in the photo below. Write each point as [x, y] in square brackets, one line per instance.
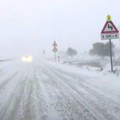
[29, 26]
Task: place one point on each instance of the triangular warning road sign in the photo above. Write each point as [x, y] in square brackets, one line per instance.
[109, 27]
[55, 49]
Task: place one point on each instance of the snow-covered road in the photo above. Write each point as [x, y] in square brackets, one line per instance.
[43, 91]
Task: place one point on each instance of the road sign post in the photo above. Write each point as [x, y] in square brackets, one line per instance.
[111, 55]
[55, 50]
[109, 32]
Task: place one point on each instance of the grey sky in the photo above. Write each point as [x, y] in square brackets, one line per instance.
[29, 26]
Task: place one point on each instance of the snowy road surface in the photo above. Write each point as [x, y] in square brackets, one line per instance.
[43, 91]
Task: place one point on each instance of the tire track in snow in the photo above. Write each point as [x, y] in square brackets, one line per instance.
[84, 106]
[5, 82]
[12, 105]
[58, 103]
[9, 79]
[58, 107]
[30, 103]
[95, 94]
[88, 107]
[44, 103]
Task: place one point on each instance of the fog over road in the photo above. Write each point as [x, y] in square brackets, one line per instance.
[42, 91]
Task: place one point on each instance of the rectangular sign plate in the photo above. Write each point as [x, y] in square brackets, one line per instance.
[106, 36]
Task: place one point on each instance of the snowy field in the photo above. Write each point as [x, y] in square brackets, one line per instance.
[43, 90]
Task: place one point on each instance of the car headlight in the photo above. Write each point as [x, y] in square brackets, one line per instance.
[27, 58]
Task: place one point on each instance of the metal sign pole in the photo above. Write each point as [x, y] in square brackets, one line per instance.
[55, 50]
[111, 55]
[55, 56]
